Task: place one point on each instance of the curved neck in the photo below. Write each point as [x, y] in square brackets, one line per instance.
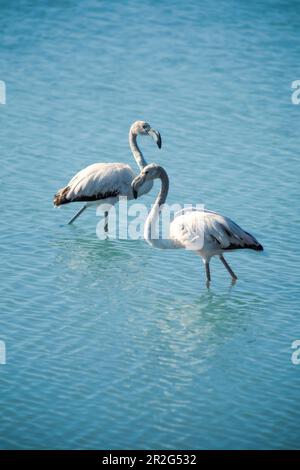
[151, 233]
[138, 156]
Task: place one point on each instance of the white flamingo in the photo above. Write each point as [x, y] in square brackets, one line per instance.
[106, 182]
[208, 233]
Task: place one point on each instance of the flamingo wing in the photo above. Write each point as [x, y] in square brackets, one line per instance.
[210, 232]
[96, 182]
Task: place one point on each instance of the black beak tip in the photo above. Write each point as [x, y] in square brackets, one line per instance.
[159, 141]
[135, 194]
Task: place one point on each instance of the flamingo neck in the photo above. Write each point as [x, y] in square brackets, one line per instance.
[151, 233]
[138, 156]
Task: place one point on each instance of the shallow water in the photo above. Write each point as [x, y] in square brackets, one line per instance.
[112, 344]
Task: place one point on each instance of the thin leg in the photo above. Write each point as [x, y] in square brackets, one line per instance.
[77, 215]
[106, 221]
[207, 272]
[234, 277]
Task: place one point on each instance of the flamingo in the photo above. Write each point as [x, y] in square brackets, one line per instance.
[206, 232]
[105, 182]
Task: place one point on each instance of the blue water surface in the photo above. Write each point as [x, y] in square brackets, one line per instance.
[112, 344]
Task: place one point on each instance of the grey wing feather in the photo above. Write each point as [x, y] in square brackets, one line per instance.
[99, 181]
[198, 230]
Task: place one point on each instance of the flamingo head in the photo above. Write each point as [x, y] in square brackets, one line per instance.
[143, 128]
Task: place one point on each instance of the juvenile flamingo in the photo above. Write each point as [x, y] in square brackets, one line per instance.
[207, 233]
[106, 182]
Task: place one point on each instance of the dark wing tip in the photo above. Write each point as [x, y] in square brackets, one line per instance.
[259, 247]
[60, 197]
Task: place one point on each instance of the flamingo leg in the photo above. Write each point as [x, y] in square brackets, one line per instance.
[106, 221]
[77, 215]
[207, 272]
[234, 277]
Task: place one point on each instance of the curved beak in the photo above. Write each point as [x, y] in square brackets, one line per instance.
[155, 136]
[136, 183]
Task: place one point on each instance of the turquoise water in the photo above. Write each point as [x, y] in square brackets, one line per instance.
[112, 344]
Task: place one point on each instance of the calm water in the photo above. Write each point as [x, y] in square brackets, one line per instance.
[114, 344]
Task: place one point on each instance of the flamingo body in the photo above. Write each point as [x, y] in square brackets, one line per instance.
[98, 183]
[210, 234]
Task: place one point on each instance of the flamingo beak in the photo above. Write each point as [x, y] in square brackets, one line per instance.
[136, 183]
[135, 186]
[155, 136]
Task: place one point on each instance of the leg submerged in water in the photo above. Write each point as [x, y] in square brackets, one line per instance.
[207, 272]
[234, 277]
[106, 221]
[77, 215]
